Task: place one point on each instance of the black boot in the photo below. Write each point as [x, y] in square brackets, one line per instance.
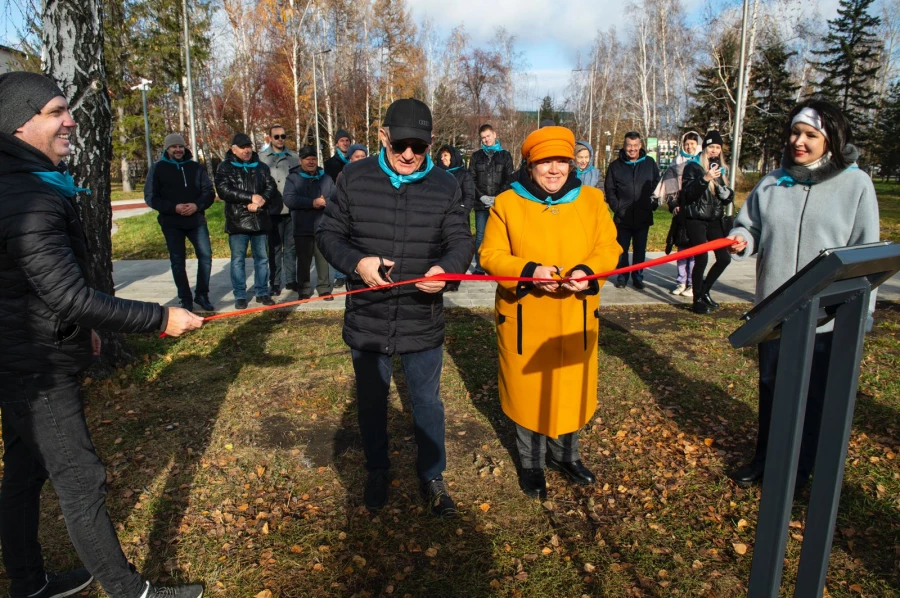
[709, 300]
[574, 470]
[700, 306]
[533, 483]
[749, 474]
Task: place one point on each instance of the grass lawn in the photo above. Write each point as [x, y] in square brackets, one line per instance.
[119, 195]
[233, 457]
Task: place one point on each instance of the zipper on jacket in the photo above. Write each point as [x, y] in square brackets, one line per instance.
[519, 328]
[584, 320]
[183, 176]
[800, 228]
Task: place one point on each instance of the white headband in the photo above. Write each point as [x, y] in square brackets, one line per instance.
[811, 117]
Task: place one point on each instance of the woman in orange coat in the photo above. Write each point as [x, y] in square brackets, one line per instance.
[549, 226]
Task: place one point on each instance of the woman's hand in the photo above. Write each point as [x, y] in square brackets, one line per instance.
[577, 286]
[546, 272]
[713, 173]
[739, 246]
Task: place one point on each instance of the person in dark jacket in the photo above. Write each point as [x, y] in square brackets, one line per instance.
[282, 256]
[335, 164]
[250, 195]
[451, 160]
[492, 168]
[630, 182]
[704, 195]
[180, 190]
[356, 152]
[307, 192]
[395, 217]
[48, 321]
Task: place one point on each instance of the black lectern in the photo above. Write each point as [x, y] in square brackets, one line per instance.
[836, 285]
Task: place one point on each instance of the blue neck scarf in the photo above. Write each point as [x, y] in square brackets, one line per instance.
[169, 160]
[567, 198]
[280, 154]
[404, 179]
[786, 180]
[312, 177]
[62, 182]
[580, 172]
[492, 148]
[639, 160]
[454, 169]
[245, 165]
[340, 154]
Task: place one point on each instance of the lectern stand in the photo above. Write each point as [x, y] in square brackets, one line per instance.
[836, 285]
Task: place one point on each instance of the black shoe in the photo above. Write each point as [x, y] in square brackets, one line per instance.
[701, 307]
[204, 302]
[276, 291]
[620, 284]
[749, 474]
[478, 272]
[376, 493]
[193, 590]
[439, 501]
[639, 285]
[327, 297]
[188, 305]
[801, 484]
[240, 304]
[303, 297]
[292, 286]
[574, 470]
[339, 283]
[59, 585]
[265, 300]
[709, 300]
[533, 483]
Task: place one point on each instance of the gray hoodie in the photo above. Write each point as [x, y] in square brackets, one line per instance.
[787, 225]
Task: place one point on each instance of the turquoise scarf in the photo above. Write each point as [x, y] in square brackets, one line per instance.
[313, 177]
[340, 154]
[404, 179]
[788, 181]
[492, 148]
[245, 165]
[180, 165]
[280, 154]
[639, 160]
[454, 169]
[580, 172]
[567, 198]
[62, 182]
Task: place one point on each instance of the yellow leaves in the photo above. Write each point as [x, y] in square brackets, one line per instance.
[740, 548]
[243, 507]
[485, 507]
[546, 551]
[708, 441]
[742, 524]
[264, 594]
[260, 471]
[589, 568]
[296, 549]
[431, 552]
[229, 447]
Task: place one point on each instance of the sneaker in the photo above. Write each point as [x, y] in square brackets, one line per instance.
[265, 300]
[194, 590]
[688, 292]
[439, 501]
[59, 585]
[678, 289]
[240, 304]
[375, 495]
[204, 302]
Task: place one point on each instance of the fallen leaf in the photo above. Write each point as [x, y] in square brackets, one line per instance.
[431, 552]
[485, 507]
[740, 548]
[589, 568]
[264, 594]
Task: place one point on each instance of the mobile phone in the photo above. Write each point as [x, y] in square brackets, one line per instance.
[714, 164]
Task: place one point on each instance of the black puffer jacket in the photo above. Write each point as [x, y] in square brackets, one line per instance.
[492, 172]
[629, 187]
[47, 311]
[171, 183]
[334, 165]
[236, 186]
[418, 225]
[696, 199]
[458, 169]
[299, 193]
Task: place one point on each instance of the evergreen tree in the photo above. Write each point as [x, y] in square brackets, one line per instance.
[772, 93]
[850, 59]
[547, 111]
[887, 141]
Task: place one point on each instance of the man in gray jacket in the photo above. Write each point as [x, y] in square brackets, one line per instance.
[282, 253]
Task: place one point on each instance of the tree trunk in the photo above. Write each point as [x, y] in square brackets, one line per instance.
[72, 40]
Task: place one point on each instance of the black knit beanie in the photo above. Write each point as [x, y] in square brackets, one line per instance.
[23, 95]
[711, 138]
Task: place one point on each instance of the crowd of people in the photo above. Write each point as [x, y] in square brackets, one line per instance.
[393, 217]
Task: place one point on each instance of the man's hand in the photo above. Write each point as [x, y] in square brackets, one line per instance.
[189, 209]
[740, 246]
[577, 286]
[545, 272]
[181, 321]
[96, 344]
[319, 203]
[432, 287]
[253, 207]
[368, 270]
[258, 200]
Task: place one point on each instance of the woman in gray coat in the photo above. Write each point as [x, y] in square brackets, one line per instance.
[817, 199]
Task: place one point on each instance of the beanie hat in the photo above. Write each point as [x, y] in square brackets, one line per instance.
[355, 148]
[306, 152]
[340, 134]
[580, 147]
[241, 140]
[711, 138]
[549, 142]
[22, 96]
[173, 139]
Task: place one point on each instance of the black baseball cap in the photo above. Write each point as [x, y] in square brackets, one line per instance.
[409, 119]
[306, 152]
[242, 140]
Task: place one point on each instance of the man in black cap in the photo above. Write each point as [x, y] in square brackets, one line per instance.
[246, 186]
[395, 217]
[48, 315]
[335, 164]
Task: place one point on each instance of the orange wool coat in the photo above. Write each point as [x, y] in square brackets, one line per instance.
[548, 342]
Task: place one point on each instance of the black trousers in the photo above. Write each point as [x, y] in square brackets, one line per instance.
[815, 398]
[699, 232]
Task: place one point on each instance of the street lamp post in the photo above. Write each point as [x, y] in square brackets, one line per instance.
[190, 84]
[144, 86]
[316, 105]
[590, 104]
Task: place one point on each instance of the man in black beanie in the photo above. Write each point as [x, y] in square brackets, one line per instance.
[48, 315]
[335, 164]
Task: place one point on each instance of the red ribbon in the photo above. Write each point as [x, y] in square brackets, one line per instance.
[679, 255]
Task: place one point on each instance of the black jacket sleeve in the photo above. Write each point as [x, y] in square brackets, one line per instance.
[226, 187]
[609, 187]
[693, 186]
[152, 195]
[333, 234]
[43, 250]
[295, 194]
[457, 243]
[207, 193]
[469, 194]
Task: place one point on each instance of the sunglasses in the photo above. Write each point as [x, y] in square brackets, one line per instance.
[279, 136]
[418, 147]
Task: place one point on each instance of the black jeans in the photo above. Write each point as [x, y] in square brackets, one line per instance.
[307, 251]
[282, 256]
[423, 380]
[533, 448]
[46, 437]
[699, 232]
[175, 243]
[815, 398]
[637, 237]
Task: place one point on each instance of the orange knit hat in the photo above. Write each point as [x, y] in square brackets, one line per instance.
[549, 142]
